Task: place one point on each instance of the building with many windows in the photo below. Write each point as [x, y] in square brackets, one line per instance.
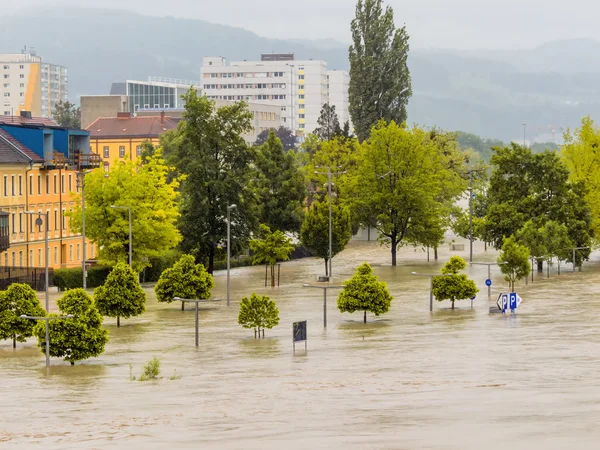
[39, 166]
[337, 85]
[29, 84]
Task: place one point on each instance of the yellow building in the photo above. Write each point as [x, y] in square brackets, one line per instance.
[120, 138]
[32, 183]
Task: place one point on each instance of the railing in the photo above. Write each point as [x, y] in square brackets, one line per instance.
[34, 277]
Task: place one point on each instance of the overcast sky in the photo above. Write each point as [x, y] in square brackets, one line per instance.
[431, 23]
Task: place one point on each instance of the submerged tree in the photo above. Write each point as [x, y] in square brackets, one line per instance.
[258, 312]
[17, 300]
[514, 261]
[364, 292]
[454, 286]
[270, 247]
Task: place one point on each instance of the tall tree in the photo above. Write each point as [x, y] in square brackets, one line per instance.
[67, 115]
[514, 261]
[280, 186]
[186, 280]
[270, 247]
[154, 211]
[314, 234]
[380, 84]
[329, 123]
[208, 149]
[286, 136]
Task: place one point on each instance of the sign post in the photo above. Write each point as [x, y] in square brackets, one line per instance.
[299, 334]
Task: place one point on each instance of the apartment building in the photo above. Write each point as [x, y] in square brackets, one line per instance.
[29, 84]
[337, 84]
[39, 166]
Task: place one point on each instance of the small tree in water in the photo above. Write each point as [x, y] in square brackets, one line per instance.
[272, 246]
[364, 292]
[514, 260]
[17, 300]
[121, 295]
[454, 286]
[259, 313]
[185, 279]
[75, 339]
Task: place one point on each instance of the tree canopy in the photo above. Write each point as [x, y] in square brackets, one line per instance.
[454, 286]
[258, 312]
[67, 115]
[286, 136]
[380, 83]
[270, 247]
[17, 300]
[185, 279]
[329, 123]
[514, 261]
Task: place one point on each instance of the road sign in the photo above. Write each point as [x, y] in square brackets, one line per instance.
[510, 301]
[299, 333]
[488, 282]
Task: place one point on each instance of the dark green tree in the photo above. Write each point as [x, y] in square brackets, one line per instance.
[280, 187]
[380, 84]
[258, 312]
[209, 150]
[364, 292]
[121, 295]
[270, 247]
[454, 286]
[67, 115]
[17, 300]
[329, 123]
[75, 339]
[185, 279]
[314, 234]
[286, 136]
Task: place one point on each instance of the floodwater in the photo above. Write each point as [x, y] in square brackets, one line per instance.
[462, 379]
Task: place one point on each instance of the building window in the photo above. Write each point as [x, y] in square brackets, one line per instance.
[55, 255]
[22, 85]
[21, 76]
[106, 152]
[14, 260]
[40, 257]
[70, 183]
[302, 116]
[138, 150]
[6, 67]
[21, 258]
[20, 222]
[30, 184]
[78, 252]
[20, 185]
[64, 220]
[62, 184]
[5, 185]
[122, 151]
[55, 219]
[47, 184]
[14, 230]
[39, 185]
[21, 67]
[31, 258]
[55, 185]
[12, 185]
[71, 253]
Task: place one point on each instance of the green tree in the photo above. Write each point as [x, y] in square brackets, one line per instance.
[121, 295]
[380, 84]
[514, 261]
[185, 279]
[209, 150]
[154, 211]
[280, 186]
[258, 312]
[17, 300]
[270, 247]
[286, 136]
[532, 236]
[314, 234]
[78, 338]
[364, 292]
[557, 242]
[329, 123]
[454, 286]
[67, 115]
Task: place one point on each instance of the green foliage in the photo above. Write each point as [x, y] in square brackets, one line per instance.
[364, 292]
[17, 300]
[314, 234]
[285, 135]
[454, 286]
[272, 246]
[208, 148]
[258, 312]
[78, 338]
[380, 84]
[329, 123]
[67, 115]
[121, 295]
[153, 204]
[151, 370]
[481, 145]
[185, 279]
[159, 264]
[280, 186]
[514, 260]
[72, 278]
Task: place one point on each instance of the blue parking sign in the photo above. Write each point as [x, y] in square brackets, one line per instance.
[513, 301]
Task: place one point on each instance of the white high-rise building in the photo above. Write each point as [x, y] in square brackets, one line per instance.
[338, 81]
[312, 93]
[29, 84]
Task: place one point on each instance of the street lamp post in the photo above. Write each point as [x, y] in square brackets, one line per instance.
[39, 223]
[128, 208]
[229, 208]
[81, 184]
[185, 300]
[47, 320]
[324, 298]
[431, 277]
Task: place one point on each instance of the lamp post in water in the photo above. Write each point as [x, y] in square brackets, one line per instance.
[229, 208]
[431, 277]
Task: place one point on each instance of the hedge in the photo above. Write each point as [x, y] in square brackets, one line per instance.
[66, 279]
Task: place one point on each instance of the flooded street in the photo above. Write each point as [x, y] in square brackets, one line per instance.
[411, 379]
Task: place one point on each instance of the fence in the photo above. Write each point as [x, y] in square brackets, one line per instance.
[34, 277]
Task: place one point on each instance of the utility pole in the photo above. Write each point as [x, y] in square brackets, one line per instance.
[470, 216]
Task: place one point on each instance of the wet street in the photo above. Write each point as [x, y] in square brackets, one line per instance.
[462, 379]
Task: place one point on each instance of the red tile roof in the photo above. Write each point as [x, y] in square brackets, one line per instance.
[126, 127]
[18, 120]
[12, 151]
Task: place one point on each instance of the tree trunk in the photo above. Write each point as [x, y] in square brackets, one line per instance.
[326, 267]
[183, 306]
[365, 318]
[255, 333]
[452, 304]
[211, 260]
[485, 246]
[394, 243]
[435, 253]
[118, 321]
[272, 276]
[14, 341]
[540, 265]
[263, 333]
[72, 363]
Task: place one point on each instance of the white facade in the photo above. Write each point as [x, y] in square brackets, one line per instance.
[312, 93]
[338, 94]
[28, 84]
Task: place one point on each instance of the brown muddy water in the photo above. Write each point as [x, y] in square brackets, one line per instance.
[462, 379]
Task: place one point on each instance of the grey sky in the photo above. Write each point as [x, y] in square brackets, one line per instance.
[431, 23]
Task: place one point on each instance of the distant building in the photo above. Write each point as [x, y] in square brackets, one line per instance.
[338, 82]
[95, 106]
[29, 84]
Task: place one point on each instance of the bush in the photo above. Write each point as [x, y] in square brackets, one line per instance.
[159, 264]
[66, 279]
[151, 370]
